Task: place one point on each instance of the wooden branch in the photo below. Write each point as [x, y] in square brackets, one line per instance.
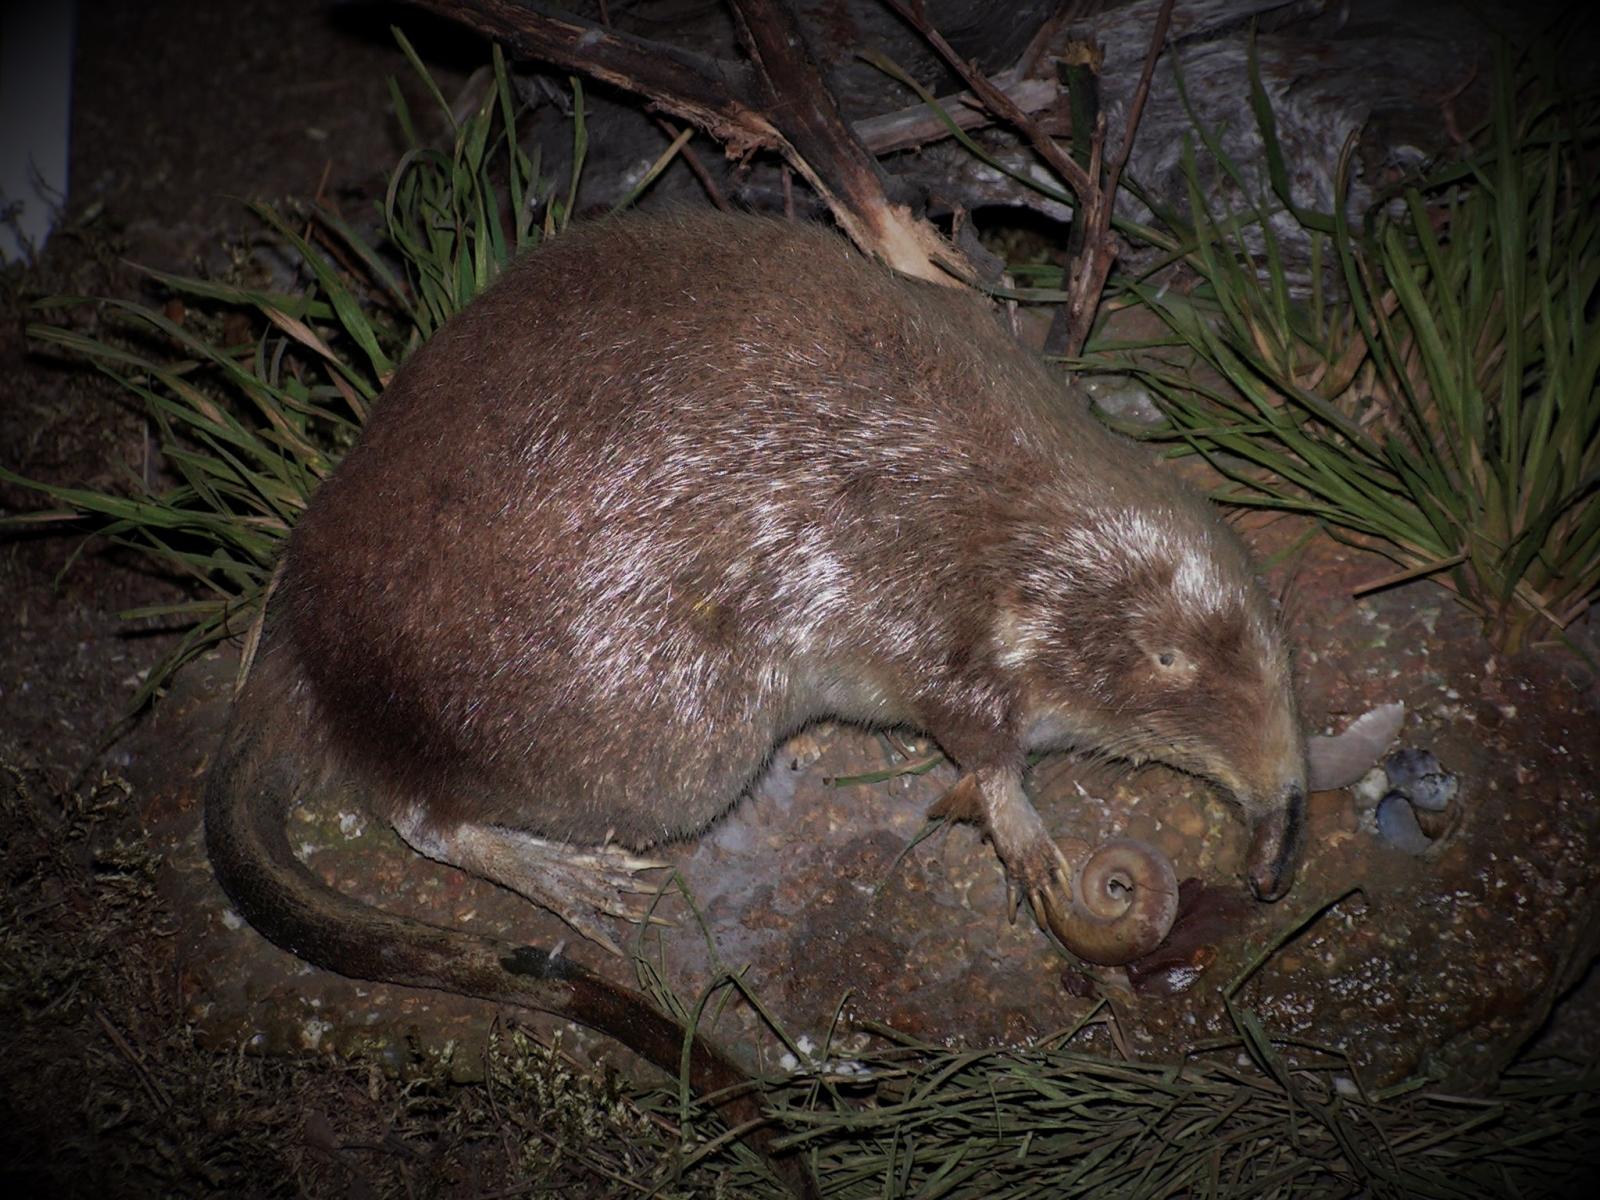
[997, 101]
[1158, 40]
[917, 125]
[692, 161]
[718, 96]
[1094, 188]
[821, 146]
[1099, 246]
[779, 101]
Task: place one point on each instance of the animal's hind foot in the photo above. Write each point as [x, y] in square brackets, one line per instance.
[579, 884]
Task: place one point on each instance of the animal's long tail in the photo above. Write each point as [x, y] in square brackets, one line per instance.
[251, 788]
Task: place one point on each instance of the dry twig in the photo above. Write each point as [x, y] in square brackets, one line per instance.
[1095, 190]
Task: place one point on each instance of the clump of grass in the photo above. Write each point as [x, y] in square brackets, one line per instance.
[1437, 394]
[249, 430]
[1247, 1119]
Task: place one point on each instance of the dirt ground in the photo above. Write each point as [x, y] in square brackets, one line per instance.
[180, 109]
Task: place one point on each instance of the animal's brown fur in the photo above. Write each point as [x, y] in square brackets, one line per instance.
[674, 488]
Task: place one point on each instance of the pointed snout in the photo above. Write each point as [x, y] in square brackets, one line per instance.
[1275, 847]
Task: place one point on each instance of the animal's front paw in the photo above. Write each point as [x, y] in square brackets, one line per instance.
[1042, 875]
[1034, 866]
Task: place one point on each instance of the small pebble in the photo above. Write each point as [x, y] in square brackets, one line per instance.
[1397, 825]
[1419, 776]
[1434, 792]
[1123, 398]
[1408, 764]
[1371, 787]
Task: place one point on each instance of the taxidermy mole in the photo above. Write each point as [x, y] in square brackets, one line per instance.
[670, 490]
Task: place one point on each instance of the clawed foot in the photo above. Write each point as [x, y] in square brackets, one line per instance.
[580, 885]
[1042, 874]
[1035, 867]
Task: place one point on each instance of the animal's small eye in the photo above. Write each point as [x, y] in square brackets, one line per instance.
[1166, 658]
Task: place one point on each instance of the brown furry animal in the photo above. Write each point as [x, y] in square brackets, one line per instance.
[666, 493]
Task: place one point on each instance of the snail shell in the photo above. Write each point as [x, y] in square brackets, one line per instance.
[1123, 903]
